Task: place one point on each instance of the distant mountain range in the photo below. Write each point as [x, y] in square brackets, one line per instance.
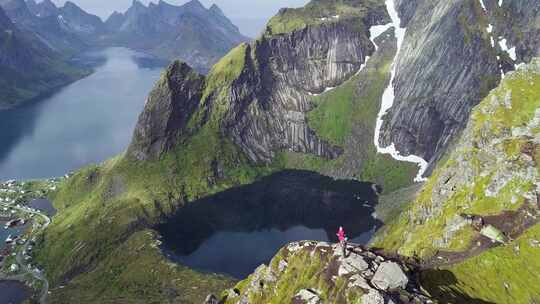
[28, 65]
[190, 32]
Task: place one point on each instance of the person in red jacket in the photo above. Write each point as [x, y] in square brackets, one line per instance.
[342, 240]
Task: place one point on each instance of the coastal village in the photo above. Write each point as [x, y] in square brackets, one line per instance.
[23, 222]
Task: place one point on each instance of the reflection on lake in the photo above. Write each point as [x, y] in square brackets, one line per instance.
[237, 230]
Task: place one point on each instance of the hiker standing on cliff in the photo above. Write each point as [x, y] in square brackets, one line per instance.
[342, 240]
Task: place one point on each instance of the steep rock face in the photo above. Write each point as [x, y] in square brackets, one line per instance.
[114, 21]
[453, 54]
[167, 112]
[287, 69]
[445, 67]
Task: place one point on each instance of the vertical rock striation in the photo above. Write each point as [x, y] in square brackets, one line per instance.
[272, 117]
[167, 112]
[448, 64]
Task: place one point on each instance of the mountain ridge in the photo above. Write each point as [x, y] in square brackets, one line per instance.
[27, 65]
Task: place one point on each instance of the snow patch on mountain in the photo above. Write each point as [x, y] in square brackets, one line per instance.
[388, 97]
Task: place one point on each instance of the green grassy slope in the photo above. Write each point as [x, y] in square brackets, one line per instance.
[493, 172]
[318, 12]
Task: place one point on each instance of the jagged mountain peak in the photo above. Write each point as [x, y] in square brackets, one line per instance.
[193, 4]
[189, 32]
[216, 9]
[174, 100]
[71, 5]
[137, 4]
[44, 8]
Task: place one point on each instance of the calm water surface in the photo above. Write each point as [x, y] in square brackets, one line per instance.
[86, 122]
[13, 292]
[235, 231]
[43, 205]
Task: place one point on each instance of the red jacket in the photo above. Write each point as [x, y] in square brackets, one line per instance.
[341, 234]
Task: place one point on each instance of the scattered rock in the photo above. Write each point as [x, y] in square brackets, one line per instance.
[534, 243]
[282, 265]
[295, 246]
[211, 299]
[358, 281]
[389, 276]
[307, 296]
[372, 297]
[494, 234]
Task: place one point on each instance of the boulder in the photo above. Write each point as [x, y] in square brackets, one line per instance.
[359, 281]
[307, 296]
[389, 275]
[352, 264]
[372, 297]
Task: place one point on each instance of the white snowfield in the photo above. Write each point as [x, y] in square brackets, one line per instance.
[388, 95]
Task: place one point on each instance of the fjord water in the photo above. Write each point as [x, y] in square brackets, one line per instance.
[235, 231]
[85, 122]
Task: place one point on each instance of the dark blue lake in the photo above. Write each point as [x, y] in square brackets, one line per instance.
[85, 122]
[235, 231]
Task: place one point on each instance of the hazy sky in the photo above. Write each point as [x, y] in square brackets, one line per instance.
[249, 15]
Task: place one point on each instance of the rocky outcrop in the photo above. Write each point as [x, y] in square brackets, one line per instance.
[167, 112]
[374, 279]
